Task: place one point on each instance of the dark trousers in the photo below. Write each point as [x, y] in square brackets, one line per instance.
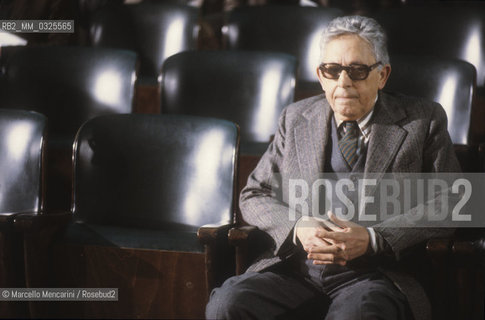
[286, 292]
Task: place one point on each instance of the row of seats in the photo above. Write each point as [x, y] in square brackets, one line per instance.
[157, 30]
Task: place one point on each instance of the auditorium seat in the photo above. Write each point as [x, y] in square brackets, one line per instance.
[449, 30]
[69, 85]
[248, 88]
[146, 187]
[22, 138]
[153, 29]
[291, 29]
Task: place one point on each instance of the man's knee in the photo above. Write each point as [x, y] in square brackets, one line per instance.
[220, 304]
[266, 295]
[385, 303]
[370, 300]
[230, 301]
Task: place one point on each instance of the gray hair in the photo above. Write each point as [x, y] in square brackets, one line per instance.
[364, 27]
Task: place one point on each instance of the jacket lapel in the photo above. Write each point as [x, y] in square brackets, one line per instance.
[385, 140]
[386, 136]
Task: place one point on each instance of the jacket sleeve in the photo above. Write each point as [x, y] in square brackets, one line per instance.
[260, 201]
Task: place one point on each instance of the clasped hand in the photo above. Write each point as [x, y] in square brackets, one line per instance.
[332, 241]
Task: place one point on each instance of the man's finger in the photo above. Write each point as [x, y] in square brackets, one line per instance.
[325, 249]
[330, 225]
[315, 242]
[342, 223]
[325, 257]
[340, 262]
[332, 235]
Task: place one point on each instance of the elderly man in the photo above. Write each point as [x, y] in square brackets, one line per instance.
[331, 269]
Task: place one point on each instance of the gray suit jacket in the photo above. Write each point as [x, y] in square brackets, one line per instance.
[408, 135]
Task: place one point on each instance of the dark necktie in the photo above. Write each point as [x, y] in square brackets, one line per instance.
[348, 143]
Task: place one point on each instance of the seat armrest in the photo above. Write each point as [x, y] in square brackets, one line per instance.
[438, 248]
[30, 221]
[240, 235]
[464, 248]
[243, 239]
[470, 249]
[219, 256]
[212, 232]
[469, 243]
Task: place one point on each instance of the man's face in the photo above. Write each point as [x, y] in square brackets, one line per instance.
[352, 99]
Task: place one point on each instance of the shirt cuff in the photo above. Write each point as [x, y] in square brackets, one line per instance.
[295, 240]
[373, 240]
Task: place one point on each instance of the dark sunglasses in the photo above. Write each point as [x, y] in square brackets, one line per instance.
[354, 71]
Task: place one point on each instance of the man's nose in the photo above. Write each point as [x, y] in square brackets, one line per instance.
[344, 79]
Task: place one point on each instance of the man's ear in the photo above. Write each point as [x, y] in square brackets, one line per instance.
[384, 74]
